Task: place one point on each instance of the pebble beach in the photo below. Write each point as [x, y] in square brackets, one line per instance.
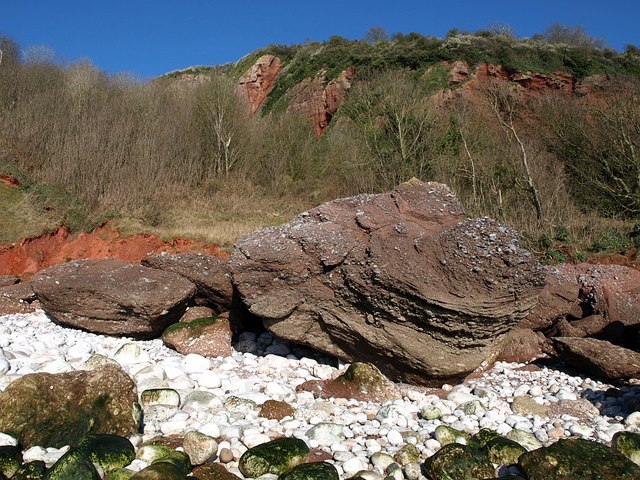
[220, 397]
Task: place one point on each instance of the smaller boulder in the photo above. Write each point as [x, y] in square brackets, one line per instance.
[73, 464]
[194, 313]
[276, 410]
[10, 460]
[577, 458]
[209, 337]
[199, 447]
[311, 471]
[521, 345]
[596, 357]
[213, 471]
[160, 471]
[361, 381]
[456, 461]
[108, 451]
[276, 457]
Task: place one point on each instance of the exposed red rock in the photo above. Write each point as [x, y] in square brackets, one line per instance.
[259, 80]
[538, 82]
[33, 254]
[319, 102]
[459, 72]
[9, 180]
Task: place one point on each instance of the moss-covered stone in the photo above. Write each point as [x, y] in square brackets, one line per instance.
[409, 453]
[108, 451]
[177, 458]
[195, 327]
[503, 451]
[480, 439]
[577, 459]
[628, 444]
[31, 471]
[73, 465]
[10, 459]
[276, 456]
[160, 396]
[54, 410]
[160, 471]
[526, 405]
[154, 452]
[119, 474]
[311, 471]
[446, 435]
[458, 462]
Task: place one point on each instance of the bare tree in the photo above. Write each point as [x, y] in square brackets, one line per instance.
[504, 104]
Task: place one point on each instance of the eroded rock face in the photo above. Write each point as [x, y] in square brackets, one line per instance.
[401, 280]
[113, 297]
[319, 101]
[53, 410]
[259, 80]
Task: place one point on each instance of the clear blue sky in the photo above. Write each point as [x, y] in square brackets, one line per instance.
[151, 37]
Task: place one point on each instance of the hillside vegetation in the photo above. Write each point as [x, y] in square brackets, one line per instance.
[186, 158]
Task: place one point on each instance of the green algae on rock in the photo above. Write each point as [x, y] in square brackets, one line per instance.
[108, 451]
[458, 462]
[628, 444]
[54, 410]
[503, 451]
[119, 474]
[577, 459]
[160, 471]
[276, 456]
[408, 453]
[73, 465]
[35, 470]
[311, 471]
[10, 460]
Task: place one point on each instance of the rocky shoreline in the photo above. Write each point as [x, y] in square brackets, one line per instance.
[223, 398]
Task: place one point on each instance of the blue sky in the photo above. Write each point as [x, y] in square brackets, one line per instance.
[151, 37]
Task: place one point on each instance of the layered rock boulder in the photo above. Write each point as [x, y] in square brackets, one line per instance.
[210, 274]
[113, 297]
[402, 280]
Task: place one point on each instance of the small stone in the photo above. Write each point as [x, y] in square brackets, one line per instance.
[199, 447]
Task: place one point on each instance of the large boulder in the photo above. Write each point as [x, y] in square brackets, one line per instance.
[54, 410]
[210, 274]
[113, 297]
[402, 280]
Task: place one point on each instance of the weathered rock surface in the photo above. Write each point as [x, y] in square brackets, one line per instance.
[259, 80]
[209, 337]
[276, 456]
[6, 280]
[401, 280]
[601, 300]
[596, 357]
[53, 410]
[113, 297]
[210, 274]
[521, 345]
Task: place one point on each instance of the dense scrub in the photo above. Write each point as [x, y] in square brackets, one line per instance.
[186, 158]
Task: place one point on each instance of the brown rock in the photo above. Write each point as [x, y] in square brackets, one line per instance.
[17, 298]
[597, 357]
[361, 381]
[193, 313]
[276, 410]
[538, 82]
[521, 345]
[209, 337]
[112, 297]
[210, 274]
[6, 280]
[53, 410]
[259, 80]
[401, 280]
[591, 84]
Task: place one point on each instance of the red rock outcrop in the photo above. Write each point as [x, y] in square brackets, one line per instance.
[33, 254]
[538, 82]
[319, 102]
[259, 80]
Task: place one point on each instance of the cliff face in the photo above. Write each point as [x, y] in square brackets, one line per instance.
[259, 80]
[320, 100]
